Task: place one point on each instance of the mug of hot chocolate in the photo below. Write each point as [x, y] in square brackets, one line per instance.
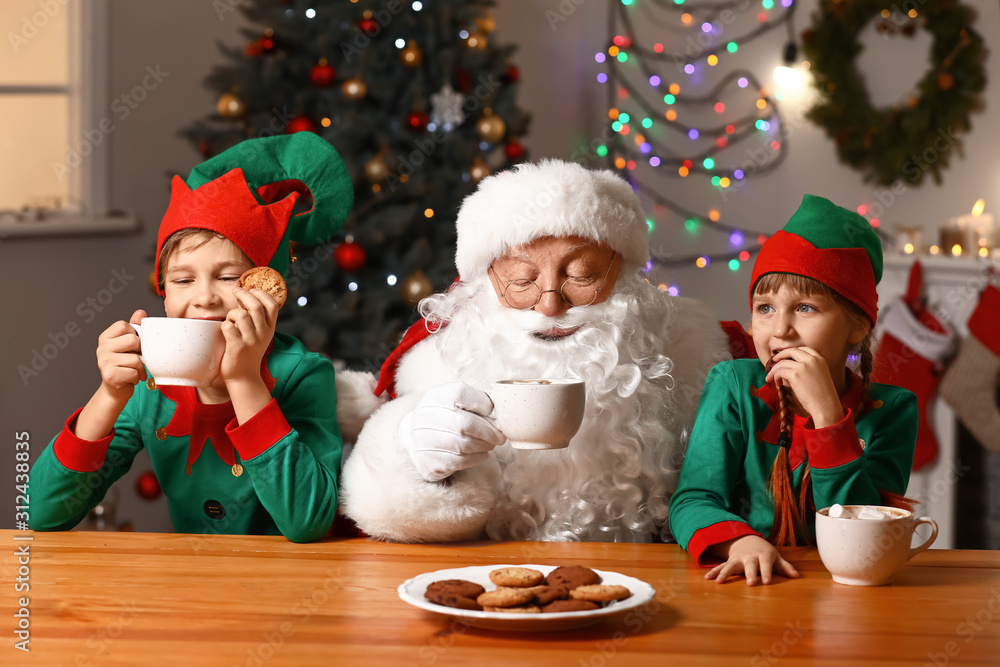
[867, 545]
[541, 413]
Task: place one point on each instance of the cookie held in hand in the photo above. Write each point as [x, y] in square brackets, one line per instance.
[265, 279]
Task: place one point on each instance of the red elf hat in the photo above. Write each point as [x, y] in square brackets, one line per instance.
[249, 193]
[830, 244]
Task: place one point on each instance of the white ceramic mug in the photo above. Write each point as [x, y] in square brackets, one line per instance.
[539, 414]
[868, 552]
[178, 351]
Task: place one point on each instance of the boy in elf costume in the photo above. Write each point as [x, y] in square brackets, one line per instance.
[258, 451]
[795, 429]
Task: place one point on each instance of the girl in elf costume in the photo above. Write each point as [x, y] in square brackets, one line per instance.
[270, 415]
[795, 429]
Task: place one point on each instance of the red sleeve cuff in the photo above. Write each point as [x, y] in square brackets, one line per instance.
[833, 445]
[260, 432]
[717, 533]
[77, 454]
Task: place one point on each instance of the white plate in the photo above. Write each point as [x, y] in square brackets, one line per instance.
[412, 591]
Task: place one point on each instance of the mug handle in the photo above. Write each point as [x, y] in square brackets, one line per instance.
[138, 332]
[934, 532]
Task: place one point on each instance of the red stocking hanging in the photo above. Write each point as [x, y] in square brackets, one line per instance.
[970, 384]
[911, 354]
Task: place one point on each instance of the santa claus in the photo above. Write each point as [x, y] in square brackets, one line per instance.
[550, 257]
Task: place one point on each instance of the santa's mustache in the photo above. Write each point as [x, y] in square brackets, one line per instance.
[531, 321]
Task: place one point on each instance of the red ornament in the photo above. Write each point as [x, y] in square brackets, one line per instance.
[417, 121]
[512, 74]
[301, 124]
[252, 49]
[514, 150]
[349, 256]
[147, 486]
[266, 44]
[463, 80]
[369, 26]
[322, 74]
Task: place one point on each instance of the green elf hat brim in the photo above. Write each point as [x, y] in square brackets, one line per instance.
[830, 244]
[274, 168]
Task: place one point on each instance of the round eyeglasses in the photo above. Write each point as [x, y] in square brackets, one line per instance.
[523, 293]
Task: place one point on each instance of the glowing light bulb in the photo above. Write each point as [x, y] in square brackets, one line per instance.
[792, 79]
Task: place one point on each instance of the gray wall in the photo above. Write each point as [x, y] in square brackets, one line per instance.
[51, 279]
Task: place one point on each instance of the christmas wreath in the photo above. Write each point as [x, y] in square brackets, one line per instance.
[909, 139]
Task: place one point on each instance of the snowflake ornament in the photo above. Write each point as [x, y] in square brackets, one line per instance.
[446, 108]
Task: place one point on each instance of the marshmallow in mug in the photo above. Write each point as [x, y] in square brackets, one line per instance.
[866, 512]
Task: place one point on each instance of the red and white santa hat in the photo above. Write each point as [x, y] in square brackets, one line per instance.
[550, 198]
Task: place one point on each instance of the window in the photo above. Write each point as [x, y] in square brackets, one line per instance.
[54, 171]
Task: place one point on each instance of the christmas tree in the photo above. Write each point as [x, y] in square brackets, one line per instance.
[420, 102]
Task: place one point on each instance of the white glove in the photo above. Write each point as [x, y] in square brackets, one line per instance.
[449, 430]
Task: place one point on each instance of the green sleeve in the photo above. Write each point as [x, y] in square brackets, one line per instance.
[61, 495]
[713, 467]
[885, 463]
[296, 477]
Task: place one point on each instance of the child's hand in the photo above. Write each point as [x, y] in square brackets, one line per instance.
[248, 333]
[118, 359]
[746, 555]
[808, 376]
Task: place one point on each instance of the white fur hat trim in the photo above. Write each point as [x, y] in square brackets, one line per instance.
[551, 198]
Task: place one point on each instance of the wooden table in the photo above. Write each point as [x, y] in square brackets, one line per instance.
[163, 599]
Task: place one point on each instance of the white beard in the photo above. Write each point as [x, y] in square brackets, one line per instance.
[614, 480]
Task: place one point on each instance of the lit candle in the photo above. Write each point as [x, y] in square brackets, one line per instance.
[909, 240]
[970, 235]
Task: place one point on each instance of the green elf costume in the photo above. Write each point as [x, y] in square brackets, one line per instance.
[722, 493]
[277, 472]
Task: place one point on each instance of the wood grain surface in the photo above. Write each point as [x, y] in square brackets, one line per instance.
[165, 599]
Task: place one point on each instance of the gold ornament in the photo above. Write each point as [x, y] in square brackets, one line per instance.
[479, 170]
[411, 56]
[237, 470]
[354, 88]
[486, 23]
[376, 169]
[231, 106]
[417, 287]
[476, 41]
[491, 128]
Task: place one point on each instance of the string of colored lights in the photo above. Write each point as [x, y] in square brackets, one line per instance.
[725, 134]
[708, 24]
[627, 157]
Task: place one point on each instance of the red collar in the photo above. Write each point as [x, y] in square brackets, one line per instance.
[797, 453]
[203, 421]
